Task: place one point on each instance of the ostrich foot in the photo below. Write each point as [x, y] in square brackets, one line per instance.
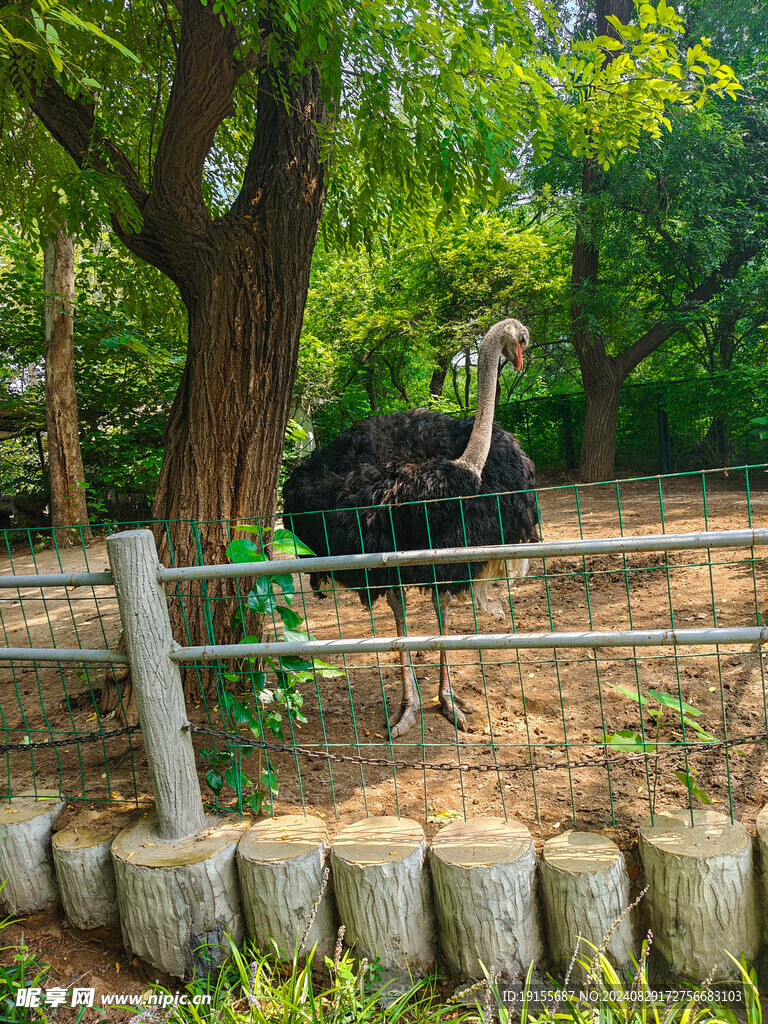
[407, 719]
[453, 707]
[496, 609]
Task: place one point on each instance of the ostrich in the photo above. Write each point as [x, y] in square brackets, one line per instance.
[375, 488]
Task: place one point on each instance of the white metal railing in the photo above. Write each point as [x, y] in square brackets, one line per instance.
[701, 540]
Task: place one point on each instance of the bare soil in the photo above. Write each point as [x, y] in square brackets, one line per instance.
[562, 705]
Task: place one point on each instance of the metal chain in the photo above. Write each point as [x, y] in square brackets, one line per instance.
[449, 766]
[382, 762]
[90, 737]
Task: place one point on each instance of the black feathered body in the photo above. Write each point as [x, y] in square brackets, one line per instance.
[391, 483]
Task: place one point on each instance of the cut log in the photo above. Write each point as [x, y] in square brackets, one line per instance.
[484, 881]
[26, 862]
[86, 875]
[762, 862]
[179, 901]
[702, 898]
[585, 891]
[281, 863]
[381, 884]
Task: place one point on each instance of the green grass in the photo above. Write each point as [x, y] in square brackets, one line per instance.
[18, 969]
[257, 988]
[262, 988]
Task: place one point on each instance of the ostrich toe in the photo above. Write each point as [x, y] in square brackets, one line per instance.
[453, 707]
[407, 719]
[461, 702]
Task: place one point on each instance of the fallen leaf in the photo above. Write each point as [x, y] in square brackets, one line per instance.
[438, 816]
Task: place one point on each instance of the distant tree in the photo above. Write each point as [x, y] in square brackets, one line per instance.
[382, 331]
[128, 348]
[65, 460]
[658, 236]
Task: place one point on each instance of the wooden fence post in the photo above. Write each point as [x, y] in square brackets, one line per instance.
[156, 683]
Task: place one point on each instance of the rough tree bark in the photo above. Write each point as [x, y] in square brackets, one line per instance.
[243, 278]
[65, 460]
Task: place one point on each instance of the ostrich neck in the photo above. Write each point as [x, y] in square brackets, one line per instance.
[476, 452]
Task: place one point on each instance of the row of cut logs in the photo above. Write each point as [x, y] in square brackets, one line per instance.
[480, 896]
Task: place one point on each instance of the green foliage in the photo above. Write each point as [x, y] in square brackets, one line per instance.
[254, 987]
[30, 35]
[271, 711]
[19, 968]
[655, 704]
[608, 997]
[129, 350]
[377, 327]
[436, 103]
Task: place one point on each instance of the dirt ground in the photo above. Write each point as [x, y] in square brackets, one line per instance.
[562, 705]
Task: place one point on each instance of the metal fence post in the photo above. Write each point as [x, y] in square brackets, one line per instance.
[662, 420]
[156, 683]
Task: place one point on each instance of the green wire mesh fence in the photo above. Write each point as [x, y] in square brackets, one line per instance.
[662, 427]
[597, 738]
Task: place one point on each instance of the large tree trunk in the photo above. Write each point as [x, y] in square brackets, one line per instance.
[245, 294]
[598, 447]
[600, 380]
[224, 438]
[65, 460]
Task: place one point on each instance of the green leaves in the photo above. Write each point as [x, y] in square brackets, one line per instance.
[261, 600]
[243, 550]
[285, 542]
[689, 781]
[627, 740]
[653, 703]
[266, 715]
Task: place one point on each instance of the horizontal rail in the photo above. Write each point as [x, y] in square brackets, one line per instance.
[433, 556]
[376, 645]
[57, 579]
[479, 642]
[68, 655]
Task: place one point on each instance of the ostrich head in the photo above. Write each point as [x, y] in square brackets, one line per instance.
[514, 340]
[508, 338]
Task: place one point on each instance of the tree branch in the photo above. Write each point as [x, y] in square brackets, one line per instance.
[287, 120]
[71, 122]
[672, 322]
[200, 99]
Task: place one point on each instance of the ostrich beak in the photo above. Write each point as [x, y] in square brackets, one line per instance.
[517, 344]
[519, 358]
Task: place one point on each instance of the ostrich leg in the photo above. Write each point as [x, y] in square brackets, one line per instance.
[411, 698]
[452, 706]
